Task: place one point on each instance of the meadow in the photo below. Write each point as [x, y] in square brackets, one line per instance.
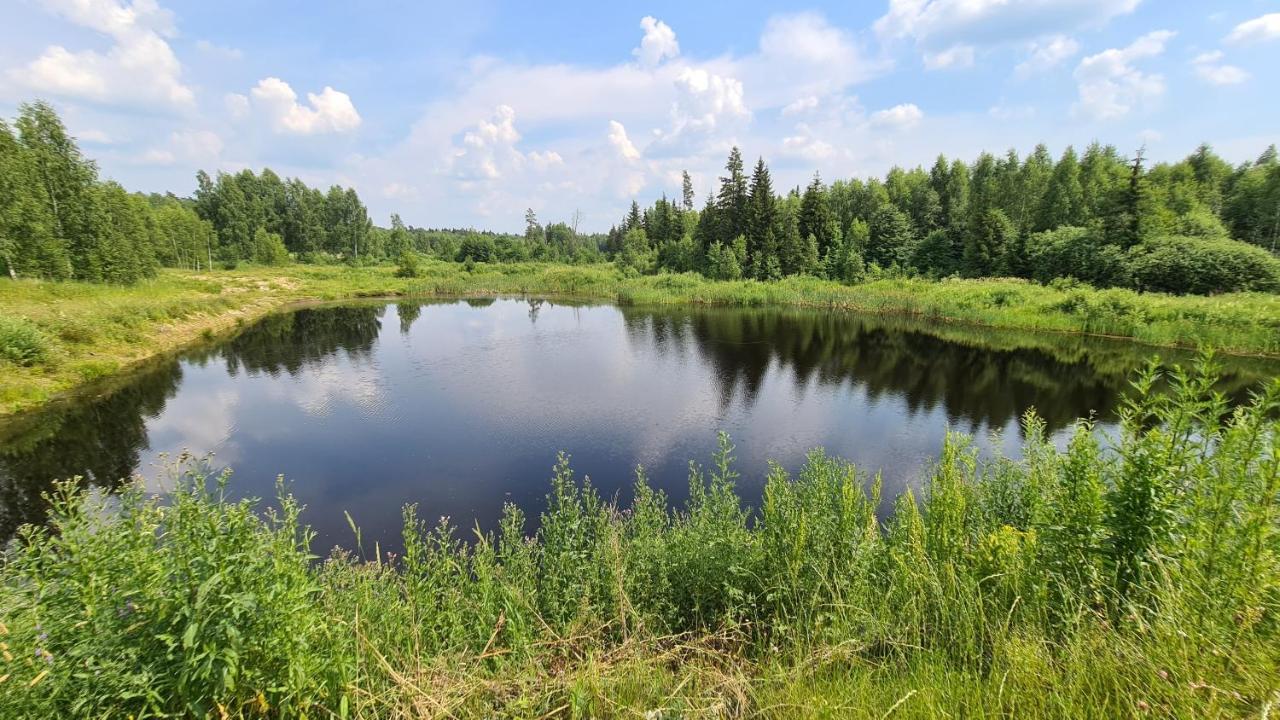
[56, 336]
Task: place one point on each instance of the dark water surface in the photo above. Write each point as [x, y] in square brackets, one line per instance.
[462, 406]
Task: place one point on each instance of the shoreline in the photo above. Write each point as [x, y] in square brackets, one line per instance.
[95, 333]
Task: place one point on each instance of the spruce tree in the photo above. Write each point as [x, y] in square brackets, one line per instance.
[731, 202]
[815, 215]
[762, 219]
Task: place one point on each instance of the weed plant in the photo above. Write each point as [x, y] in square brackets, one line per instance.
[1136, 575]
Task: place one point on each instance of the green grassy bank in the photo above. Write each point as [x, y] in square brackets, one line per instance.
[1141, 581]
[57, 336]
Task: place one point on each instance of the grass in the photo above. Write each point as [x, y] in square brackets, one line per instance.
[1134, 578]
[55, 337]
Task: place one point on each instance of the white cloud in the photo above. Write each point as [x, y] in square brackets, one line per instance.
[1045, 54]
[940, 24]
[803, 54]
[1259, 29]
[1211, 69]
[545, 160]
[399, 191]
[707, 109]
[807, 147]
[192, 146]
[1109, 84]
[219, 52]
[488, 149]
[97, 137]
[800, 106]
[139, 68]
[675, 113]
[1011, 112]
[659, 42]
[955, 57]
[898, 117]
[620, 142]
[237, 105]
[330, 111]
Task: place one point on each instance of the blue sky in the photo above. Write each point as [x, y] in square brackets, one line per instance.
[467, 113]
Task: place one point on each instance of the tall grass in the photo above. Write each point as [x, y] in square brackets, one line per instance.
[1129, 576]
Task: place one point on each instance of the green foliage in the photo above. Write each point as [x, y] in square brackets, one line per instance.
[637, 257]
[21, 342]
[186, 609]
[1076, 580]
[269, 249]
[1202, 266]
[722, 262]
[477, 248]
[1074, 252]
[891, 238]
[408, 265]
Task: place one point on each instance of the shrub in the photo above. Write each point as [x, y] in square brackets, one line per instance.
[478, 248]
[21, 342]
[1202, 266]
[407, 265]
[722, 262]
[1076, 252]
[269, 249]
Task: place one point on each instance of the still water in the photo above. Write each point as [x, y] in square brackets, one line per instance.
[460, 406]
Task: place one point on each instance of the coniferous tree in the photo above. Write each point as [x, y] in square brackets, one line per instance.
[731, 202]
[815, 215]
[686, 191]
[890, 241]
[1063, 202]
[762, 244]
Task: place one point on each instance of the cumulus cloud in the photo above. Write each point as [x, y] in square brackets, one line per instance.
[139, 68]
[955, 57]
[898, 117]
[707, 108]
[1211, 69]
[659, 42]
[938, 24]
[1259, 29]
[1109, 83]
[1046, 54]
[621, 143]
[804, 145]
[802, 55]
[488, 154]
[330, 111]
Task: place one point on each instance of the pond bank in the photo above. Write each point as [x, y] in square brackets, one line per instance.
[76, 333]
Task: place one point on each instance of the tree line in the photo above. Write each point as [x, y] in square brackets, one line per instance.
[59, 221]
[1197, 225]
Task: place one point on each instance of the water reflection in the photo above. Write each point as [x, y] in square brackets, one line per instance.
[978, 378]
[461, 406]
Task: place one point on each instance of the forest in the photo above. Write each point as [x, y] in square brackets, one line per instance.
[1197, 226]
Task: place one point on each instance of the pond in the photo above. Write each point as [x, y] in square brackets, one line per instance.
[461, 406]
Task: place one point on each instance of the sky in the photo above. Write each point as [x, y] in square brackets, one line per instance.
[465, 114]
